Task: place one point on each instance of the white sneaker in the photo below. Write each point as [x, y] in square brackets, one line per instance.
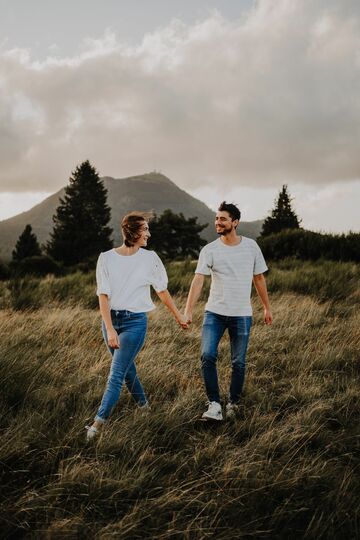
[214, 411]
[91, 432]
[231, 410]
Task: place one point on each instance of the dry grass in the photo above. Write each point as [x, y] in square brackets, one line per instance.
[287, 468]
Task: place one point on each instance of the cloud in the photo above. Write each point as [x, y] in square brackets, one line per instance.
[269, 98]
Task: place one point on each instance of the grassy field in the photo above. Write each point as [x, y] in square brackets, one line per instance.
[288, 467]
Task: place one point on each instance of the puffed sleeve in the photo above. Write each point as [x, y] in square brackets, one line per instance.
[204, 264]
[159, 279]
[259, 261]
[102, 277]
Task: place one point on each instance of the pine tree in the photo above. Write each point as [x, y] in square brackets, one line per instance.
[175, 237]
[80, 224]
[282, 216]
[26, 246]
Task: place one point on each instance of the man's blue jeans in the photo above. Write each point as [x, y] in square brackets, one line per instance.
[131, 328]
[213, 329]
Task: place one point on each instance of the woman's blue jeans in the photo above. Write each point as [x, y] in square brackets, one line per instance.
[213, 329]
[131, 328]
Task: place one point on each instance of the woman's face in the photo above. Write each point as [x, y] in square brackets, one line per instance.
[144, 235]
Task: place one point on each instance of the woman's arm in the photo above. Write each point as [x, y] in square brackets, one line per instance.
[112, 335]
[167, 300]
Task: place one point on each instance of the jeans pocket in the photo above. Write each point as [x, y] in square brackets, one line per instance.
[137, 316]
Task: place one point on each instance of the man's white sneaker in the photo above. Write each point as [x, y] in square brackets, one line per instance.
[231, 410]
[214, 411]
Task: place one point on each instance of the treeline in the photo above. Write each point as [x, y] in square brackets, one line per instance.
[81, 231]
[282, 237]
[308, 245]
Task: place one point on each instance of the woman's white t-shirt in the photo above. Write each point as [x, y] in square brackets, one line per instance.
[126, 279]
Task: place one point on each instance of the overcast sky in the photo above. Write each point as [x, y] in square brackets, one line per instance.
[230, 99]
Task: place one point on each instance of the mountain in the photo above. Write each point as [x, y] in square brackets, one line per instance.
[152, 191]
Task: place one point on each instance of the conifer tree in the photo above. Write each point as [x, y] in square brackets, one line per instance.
[282, 216]
[26, 246]
[80, 224]
[174, 237]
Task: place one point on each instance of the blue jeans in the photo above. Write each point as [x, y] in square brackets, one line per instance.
[131, 328]
[213, 329]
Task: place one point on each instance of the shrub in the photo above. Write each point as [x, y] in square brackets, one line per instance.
[24, 294]
[308, 245]
[36, 266]
[74, 289]
[4, 271]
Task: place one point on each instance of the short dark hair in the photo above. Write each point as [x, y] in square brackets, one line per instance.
[231, 209]
[131, 225]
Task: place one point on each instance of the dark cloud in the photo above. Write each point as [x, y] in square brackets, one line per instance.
[269, 97]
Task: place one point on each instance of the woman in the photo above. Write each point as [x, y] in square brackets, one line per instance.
[123, 277]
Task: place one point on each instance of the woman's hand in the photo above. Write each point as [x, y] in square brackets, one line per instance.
[113, 338]
[167, 300]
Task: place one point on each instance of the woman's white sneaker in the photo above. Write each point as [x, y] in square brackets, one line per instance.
[91, 432]
[214, 411]
[232, 410]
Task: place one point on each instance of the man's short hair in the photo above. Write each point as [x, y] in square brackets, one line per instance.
[231, 209]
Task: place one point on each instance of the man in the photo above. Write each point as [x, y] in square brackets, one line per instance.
[233, 262]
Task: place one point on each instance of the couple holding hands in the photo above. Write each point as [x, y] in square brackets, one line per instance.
[124, 276]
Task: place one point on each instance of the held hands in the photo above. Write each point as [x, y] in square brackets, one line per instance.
[181, 320]
[113, 339]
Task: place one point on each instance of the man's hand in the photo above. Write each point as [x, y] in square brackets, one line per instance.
[188, 317]
[268, 318]
[113, 338]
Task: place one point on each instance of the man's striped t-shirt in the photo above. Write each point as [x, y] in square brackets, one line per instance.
[232, 269]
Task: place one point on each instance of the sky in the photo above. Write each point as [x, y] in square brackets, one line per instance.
[230, 99]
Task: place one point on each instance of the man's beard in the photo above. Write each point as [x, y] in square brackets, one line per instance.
[224, 232]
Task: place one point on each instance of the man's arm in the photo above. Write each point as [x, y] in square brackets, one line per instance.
[193, 296]
[260, 286]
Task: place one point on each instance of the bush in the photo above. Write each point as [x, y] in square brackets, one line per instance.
[84, 267]
[4, 271]
[41, 265]
[24, 294]
[308, 245]
[74, 289]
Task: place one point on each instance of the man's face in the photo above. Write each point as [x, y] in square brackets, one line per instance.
[224, 224]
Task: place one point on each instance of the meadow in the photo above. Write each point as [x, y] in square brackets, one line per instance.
[288, 467]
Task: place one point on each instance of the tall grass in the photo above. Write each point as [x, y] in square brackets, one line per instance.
[324, 280]
[286, 468]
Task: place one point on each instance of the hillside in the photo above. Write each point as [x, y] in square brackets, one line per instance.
[151, 191]
[287, 467]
